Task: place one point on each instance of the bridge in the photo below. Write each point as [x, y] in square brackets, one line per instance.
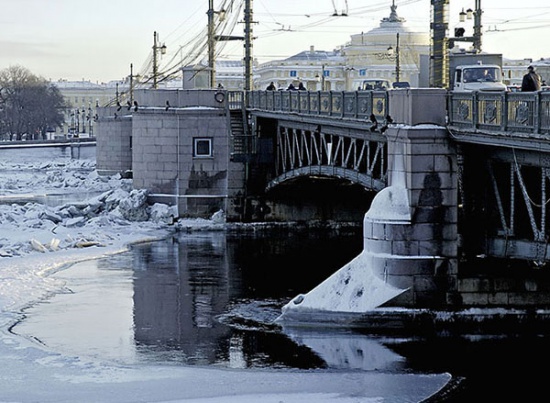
[502, 148]
[476, 186]
[457, 216]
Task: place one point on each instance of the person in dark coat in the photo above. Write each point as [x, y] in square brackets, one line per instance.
[291, 87]
[301, 87]
[531, 80]
[271, 87]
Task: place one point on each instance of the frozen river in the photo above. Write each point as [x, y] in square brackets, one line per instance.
[209, 299]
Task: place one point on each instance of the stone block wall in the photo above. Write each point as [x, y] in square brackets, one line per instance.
[165, 163]
[155, 142]
[114, 141]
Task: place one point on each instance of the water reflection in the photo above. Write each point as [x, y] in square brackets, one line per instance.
[203, 299]
[344, 349]
[210, 299]
[179, 288]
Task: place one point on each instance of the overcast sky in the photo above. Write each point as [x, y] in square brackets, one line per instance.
[98, 40]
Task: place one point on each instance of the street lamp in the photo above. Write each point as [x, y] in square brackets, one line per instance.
[397, 57]
[470, 14]
[322, 78]
[347, 74]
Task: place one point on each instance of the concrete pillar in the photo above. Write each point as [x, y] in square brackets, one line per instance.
[411, 228]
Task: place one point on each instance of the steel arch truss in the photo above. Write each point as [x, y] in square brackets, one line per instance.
[313, 153]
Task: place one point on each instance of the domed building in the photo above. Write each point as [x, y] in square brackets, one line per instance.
[390, 51]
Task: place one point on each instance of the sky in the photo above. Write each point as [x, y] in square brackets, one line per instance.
[37, 240]
[99, 41]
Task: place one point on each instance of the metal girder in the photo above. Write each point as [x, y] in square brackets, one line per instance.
[301, 152]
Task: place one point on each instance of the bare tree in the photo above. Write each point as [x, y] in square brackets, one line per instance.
[28, 104]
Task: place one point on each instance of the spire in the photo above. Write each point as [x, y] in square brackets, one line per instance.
[393, 14]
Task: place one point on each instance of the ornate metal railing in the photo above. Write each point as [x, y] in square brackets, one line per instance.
[515, 114]
[509, 112]
[359, 105]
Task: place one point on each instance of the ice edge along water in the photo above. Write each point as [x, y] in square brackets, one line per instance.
[356, 288]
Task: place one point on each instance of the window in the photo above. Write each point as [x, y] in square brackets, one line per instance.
[202, 147]
[326, 73]
[293, 73]
[363, 72]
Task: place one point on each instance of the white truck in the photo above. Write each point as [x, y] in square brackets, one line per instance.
[478, 77]
[476, 72]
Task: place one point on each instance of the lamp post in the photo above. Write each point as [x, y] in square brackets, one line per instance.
[77, 114]
[156, 49]
[397, 58]
[322, 78]
[89, 119]
[470, 14]
[347, 74]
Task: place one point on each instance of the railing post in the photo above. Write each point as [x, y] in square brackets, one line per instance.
[475, 110]
[504, 111]
[356, 104]
[536, 117]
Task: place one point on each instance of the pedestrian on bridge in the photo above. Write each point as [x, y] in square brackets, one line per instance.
[531, 80]
[271, 87]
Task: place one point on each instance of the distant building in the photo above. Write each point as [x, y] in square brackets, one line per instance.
[374, 54]
[82, 99]
[229, 74]
[312, 68]
[367, 56]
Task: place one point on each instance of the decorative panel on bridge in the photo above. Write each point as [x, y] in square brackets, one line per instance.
[502, 112]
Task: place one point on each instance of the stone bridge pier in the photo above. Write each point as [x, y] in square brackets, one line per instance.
[410, 231]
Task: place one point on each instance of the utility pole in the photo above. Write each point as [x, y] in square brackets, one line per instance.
[131, 82]
[213, 39]
[439, 52]
[211, 43]
[156, 49]
[155, 66]
[248, 20]
[477, 26]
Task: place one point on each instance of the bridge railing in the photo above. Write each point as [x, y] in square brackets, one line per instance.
[512, 112]
[480, 111]
[358, 105]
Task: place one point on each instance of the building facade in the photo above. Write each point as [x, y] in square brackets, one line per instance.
[82, 99]
[390, 51]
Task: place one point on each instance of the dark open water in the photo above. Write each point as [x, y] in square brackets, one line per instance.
[211, 298]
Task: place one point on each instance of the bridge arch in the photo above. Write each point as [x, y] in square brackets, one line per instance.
[357, 156]
[368, 181]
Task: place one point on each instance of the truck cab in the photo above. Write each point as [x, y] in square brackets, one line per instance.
[478, 77]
